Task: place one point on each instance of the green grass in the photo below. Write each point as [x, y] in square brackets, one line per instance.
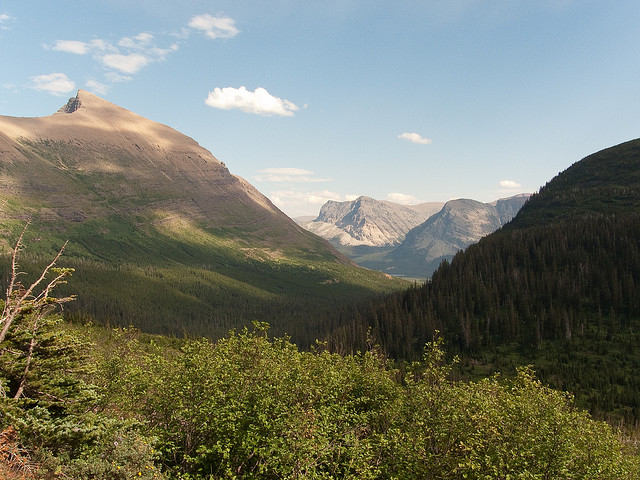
[185, 279]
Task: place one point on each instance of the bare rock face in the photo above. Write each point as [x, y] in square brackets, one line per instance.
[459, 224]
[72, 105]
[409, 241]
[368, 222]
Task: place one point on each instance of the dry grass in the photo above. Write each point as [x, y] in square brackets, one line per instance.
[14, 462]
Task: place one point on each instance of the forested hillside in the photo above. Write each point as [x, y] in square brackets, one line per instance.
[558, 287]
[87, 402]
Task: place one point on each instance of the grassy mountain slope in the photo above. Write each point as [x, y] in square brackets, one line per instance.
[558, 287]
[161, 234]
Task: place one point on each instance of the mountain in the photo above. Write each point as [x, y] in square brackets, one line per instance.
[459, 224]
[93, 159]
[558, 287]
[368, 222]
[161, 234]
[409, 240]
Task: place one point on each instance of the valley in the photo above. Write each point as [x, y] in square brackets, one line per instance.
[205, 334]
[161, 234]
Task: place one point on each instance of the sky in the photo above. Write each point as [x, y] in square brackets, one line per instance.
[408, 101]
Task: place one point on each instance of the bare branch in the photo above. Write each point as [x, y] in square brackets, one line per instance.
[21, 300]
[32, 344]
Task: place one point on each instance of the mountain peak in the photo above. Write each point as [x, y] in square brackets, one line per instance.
[365, 221]
[86, 101]
[72, 105]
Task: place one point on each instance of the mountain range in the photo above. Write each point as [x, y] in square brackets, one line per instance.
[368, 222]
[409, 240]
[161, 234]
[164, 237]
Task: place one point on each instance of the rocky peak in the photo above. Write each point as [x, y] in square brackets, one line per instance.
[72, 105]
[460, 223]
[365, 221]
[95, 107]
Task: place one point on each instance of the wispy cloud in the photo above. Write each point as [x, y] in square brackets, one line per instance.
[297, 202]
[414, 138]
[97, 87]
[259, 102]
[288, 175]
[214, 27]
[403, 198]
[510, 184]
[72, 46]
[131, 63]
[54, 83]
[129, 55]
[4, 18]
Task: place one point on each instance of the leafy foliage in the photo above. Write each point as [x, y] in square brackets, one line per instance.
[248, 406]
[45, 396]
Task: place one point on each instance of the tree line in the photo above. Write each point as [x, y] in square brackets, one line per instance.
[537, 294]
[88, 402]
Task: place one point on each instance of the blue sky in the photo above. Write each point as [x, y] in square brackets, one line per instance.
[409, 101]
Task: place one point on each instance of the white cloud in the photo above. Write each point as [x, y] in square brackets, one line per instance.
[351, 197]
[297, 203]
[288, 175]
[131, 63]
[115, 77]
[302, 203]
[287, 171]
[509, 184]
[82, 48]
[97, 87]
[53, 83]
[259, 102]
[414, 138]
[140, 41]
[214, 27]
[72, 46]
[3, 18]
[128, 56]
[99, 45]
[403, 198]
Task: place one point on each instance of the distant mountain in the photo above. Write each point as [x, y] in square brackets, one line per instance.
[409, 240]
[459, 224]
[162, 235]
[368, 222]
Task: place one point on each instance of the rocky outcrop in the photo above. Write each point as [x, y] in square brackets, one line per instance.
[368, 222]
[459, 224]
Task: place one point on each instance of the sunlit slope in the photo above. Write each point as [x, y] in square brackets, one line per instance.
[161, 233]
